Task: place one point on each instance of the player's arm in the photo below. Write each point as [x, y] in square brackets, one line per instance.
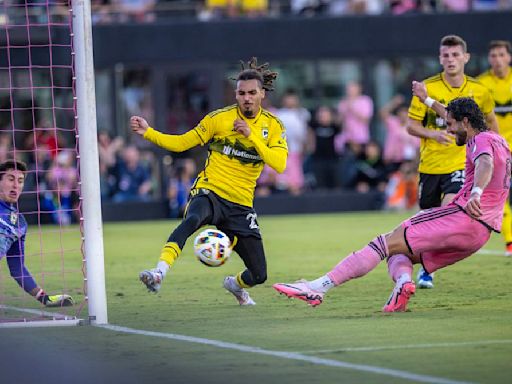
[16, 262]
[274, 155]
[417, 112]
[173, 143]
[492, 123]
[484, 167]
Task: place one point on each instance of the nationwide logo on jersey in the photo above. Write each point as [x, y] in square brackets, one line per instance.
[236, 150]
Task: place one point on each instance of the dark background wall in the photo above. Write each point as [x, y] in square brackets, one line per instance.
[347, 37]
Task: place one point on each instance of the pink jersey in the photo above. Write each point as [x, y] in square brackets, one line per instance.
[496, 192]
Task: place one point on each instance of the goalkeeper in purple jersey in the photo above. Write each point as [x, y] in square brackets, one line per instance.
[13, 228]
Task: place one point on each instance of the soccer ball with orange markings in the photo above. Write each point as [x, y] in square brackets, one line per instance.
[212, 247]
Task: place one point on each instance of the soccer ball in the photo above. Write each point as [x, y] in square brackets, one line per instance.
[212, 247]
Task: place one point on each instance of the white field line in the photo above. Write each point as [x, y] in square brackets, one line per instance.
[491, 252]
[57, 319]
[412, 346]
[288, 355]
[55, 315]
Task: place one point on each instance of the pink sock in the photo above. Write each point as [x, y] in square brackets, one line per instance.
[361, 262]
[399, 265]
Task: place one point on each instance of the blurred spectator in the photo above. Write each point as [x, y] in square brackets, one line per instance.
[402, 188]
[108, 150]
[399, 145]
[133, 179]
[179, 186]
[355, 112]
[140, 11]
[219, 9]
[5, 146]
[371, 170]
[37, 170]
[354, 7]
[44, 136]
[266, 183]
[295, 120]
[455, 5]
[347, 169]
[62, 179]
[101, 11]
[399, 7]
[324, 158]
[254, 8]
[489, 5]
[308, 8]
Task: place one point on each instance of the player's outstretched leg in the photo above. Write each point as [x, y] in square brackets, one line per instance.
[400, 296]
[300, 290]
[240, 294]
[152, 279]
[425, 280]
[59, 301]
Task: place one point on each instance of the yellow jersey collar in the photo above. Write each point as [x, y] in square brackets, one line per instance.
[452, 89]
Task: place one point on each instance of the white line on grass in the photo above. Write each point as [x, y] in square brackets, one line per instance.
[288, 355]
[38, 312]
[490, 252]
[411, 346]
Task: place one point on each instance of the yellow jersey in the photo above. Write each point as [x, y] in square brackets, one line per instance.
[501, 92]
[234, 161]
[437, 158]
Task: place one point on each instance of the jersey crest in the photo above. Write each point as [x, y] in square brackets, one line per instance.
[13, 218]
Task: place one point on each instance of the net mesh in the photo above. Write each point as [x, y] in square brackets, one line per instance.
[38, 126]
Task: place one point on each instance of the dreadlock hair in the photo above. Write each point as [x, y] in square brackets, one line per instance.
[252, 71]
[467, 107]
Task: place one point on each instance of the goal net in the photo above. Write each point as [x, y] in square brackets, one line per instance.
[39, 125]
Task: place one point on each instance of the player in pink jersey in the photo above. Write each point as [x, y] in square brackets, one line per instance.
[439, 236]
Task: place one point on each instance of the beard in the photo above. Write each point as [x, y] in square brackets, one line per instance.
[248, 113]
[461, 138]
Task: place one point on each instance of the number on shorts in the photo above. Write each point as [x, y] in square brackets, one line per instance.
[252, 220]
[458, 176]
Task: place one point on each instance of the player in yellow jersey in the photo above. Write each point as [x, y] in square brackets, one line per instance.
[498, 79]
[241, 138]
[442, 162]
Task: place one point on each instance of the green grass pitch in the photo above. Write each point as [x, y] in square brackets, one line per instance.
[461, 331]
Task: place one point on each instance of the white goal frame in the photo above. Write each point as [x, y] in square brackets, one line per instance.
[93, 251]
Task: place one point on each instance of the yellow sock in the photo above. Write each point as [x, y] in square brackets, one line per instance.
[506, 226]
[240, 282]
[170, 253]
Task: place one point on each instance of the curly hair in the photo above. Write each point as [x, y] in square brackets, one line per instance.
[467, 107]
[252, 71]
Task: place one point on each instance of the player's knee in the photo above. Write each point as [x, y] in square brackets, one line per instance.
[260, 277]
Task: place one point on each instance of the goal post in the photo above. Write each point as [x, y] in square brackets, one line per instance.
[48, 119]
[89, 164]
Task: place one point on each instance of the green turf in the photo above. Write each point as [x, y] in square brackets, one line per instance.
[471, 303]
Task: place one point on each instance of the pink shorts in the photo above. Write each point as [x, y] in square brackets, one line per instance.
[443, 236]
